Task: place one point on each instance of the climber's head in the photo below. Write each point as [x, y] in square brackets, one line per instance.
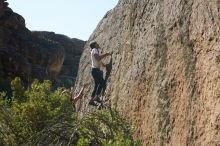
[94, 44]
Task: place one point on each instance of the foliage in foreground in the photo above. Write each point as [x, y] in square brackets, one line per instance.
[40, 116]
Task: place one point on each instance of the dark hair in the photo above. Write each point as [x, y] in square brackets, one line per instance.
[92, 44]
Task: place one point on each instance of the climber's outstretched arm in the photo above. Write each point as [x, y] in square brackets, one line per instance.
[103, 65]
[100, 57]
[80, 95]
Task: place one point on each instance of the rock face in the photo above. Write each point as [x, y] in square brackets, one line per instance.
[73, 49]
[33, 54]
[166, 69]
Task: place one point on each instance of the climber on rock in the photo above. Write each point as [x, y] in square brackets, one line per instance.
[97, 74]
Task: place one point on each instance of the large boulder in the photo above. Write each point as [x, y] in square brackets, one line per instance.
[33, 55]
[73, 49]
[166, 69]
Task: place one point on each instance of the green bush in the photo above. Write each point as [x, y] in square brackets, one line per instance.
[42, 116]
[107, 128]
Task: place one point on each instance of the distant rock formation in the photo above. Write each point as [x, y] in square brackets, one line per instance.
[32, 55]
[166, 69]
[73, 49]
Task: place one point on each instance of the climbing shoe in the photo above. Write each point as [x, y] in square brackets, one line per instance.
[97, 99]
[92, 102]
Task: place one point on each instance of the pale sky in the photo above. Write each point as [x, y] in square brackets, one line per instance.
[74, 18]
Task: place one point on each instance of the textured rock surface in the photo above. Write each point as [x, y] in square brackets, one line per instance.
[166, 69]
[34, 54]
[73, 49]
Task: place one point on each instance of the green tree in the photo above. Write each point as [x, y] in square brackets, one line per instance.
[42, 116]
[18, 90]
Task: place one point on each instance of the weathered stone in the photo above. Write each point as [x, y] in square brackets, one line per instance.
[1, 8]
[34, 54]
[166, 71]
[73, 49]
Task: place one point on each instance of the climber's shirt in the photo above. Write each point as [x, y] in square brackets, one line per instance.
[95, 62]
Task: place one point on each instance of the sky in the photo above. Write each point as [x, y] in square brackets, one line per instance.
[74, 18]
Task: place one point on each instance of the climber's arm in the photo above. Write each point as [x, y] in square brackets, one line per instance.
[103, 65]
[100, 57]
[80, 95]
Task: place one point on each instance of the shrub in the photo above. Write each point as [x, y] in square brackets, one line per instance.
[40, 116]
